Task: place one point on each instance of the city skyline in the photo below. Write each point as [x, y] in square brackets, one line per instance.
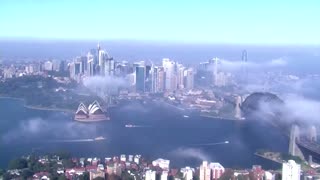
[245, 22]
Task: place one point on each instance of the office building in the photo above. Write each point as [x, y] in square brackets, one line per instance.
[102, 59]
[170, 79]
[48, 66]
[90, 67]
[109, 67]
[291, 170]
[140, 78]
[189, 79]
[181, 78]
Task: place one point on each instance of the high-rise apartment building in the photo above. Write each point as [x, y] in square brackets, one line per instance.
[291, 170]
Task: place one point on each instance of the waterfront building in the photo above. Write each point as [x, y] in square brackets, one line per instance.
[162, 163]
[140, 78]
[91, 113]
[291, 170]
[150, 175]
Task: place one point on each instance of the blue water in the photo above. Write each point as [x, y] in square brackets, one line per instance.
[164, 132]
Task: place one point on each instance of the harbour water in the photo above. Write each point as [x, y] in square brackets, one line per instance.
[161, 132]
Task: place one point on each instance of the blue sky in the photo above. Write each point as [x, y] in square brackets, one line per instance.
[221, 21]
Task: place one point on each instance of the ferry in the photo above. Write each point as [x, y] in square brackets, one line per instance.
[129, 125]
[185, 116]
[99, 138]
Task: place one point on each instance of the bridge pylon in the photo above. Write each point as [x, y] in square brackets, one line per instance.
[294, 150]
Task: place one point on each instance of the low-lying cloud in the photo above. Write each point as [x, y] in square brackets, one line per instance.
[104, 85]
[294, 109]
[234, 66]
[37, 128]
[191, 153]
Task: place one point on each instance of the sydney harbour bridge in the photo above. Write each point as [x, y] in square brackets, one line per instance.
[303, 138]
[304, 143]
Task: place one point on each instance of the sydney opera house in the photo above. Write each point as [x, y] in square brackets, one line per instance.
[93, 113]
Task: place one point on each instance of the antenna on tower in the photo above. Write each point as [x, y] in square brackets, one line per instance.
[99, 46]
[244, 59]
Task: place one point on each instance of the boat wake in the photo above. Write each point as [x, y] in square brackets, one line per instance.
[100, 138]
[135, 126]
[210, 144]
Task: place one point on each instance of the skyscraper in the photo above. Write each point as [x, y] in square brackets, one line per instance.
[140, 78]
[189, 79]
[181, 77]
[170, 74]
[215, 71]
[109, 66]
[90, 61]
[102, 60]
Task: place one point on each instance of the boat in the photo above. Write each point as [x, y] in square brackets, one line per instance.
[99, 138]
[185, 116]
[129, 125]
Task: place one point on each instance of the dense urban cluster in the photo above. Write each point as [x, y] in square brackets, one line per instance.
[137, 167]
[180, 85]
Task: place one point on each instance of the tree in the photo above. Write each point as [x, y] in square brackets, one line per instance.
[26, 174]
[62, 177]
[98, 178]
[1, 172]
[85, 176]
[227, 175]
[19, 163]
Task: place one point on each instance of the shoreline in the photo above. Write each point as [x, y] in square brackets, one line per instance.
[264, 157]
[36, 107]
[220, 118]
[91, 121]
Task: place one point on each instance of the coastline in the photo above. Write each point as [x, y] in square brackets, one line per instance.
[220, 117]
[36, 107]
[91, 121]
[267, 158]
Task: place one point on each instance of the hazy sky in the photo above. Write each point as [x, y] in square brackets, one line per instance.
[221, 21]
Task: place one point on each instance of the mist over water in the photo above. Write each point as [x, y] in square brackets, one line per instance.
[162, 133]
